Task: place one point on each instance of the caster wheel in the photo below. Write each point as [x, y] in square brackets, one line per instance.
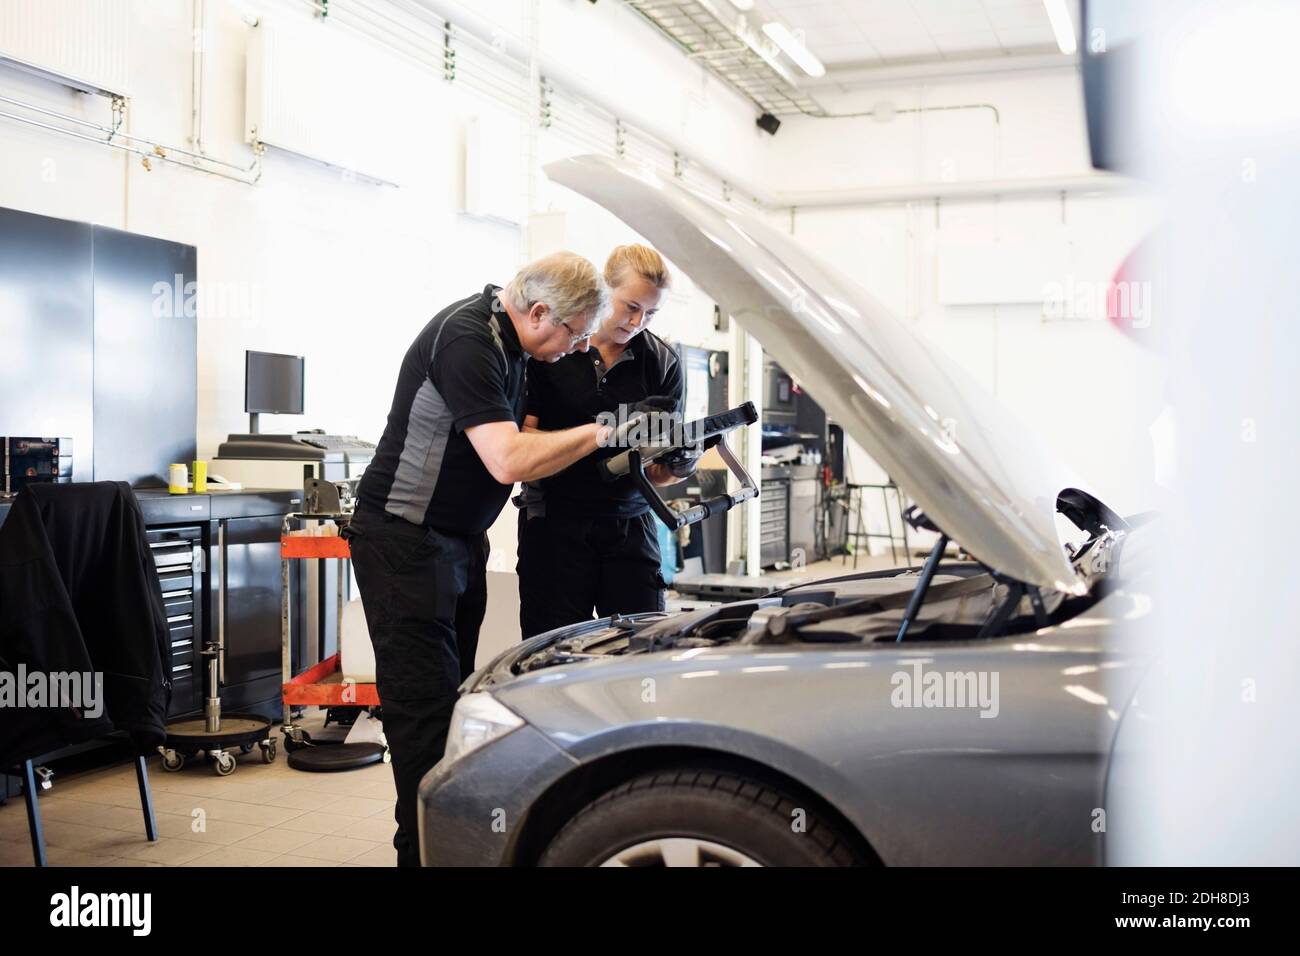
[245, 748]
[297, 743]
[225, 765]
[268, 752]
[172, 761]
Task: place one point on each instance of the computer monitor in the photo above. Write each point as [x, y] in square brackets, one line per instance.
[273, 383]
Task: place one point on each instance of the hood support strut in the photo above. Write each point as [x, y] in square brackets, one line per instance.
[923, 585]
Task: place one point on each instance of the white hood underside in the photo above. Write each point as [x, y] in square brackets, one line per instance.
[975, 471]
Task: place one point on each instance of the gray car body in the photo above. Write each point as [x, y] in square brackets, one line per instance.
[920, 786]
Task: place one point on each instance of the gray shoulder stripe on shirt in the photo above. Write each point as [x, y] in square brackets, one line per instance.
[495, 328]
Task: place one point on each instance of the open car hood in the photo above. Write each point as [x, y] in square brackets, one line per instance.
[975, 471]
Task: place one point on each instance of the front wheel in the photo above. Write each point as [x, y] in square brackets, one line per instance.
[172, 761]
[701, 818]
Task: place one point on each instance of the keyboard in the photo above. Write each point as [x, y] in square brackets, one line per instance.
[302, 446]
[347, 443]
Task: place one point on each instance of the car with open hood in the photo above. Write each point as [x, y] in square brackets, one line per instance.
[962, 712]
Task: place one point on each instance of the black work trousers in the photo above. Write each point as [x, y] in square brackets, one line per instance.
[424, 593]
[570, 565]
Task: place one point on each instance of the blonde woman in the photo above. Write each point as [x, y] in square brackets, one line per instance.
[587, 545]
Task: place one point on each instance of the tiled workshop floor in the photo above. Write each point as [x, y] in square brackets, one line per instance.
[261, 815]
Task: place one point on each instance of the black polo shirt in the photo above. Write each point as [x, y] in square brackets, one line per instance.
[465, 368]
[574, 391]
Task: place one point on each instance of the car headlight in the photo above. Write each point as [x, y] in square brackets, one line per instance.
[478, 719]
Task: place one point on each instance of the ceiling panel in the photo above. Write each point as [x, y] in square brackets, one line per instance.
[851, 33]
[895, 47]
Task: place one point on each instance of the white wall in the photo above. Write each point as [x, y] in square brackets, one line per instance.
[1082, 385]
[346, 272]
[312, 261]
[1038, 130]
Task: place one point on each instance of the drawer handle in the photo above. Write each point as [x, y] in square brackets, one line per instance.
[183, 667]
[180, 617]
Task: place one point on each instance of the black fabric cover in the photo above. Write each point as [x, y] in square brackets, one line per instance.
[79, 592]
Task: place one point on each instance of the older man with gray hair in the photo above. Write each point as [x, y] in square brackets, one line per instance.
[443, 470]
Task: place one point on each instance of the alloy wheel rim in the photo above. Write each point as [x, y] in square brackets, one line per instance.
[679, 851]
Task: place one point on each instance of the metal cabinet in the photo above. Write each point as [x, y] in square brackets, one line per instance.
[48, 326]
[146, 366]
[245, 611]
[99, 345]
[774, 540]
[804, 513]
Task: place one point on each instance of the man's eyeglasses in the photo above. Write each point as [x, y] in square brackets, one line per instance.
[575, 337]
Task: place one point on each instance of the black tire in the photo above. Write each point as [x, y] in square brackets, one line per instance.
[738, 812]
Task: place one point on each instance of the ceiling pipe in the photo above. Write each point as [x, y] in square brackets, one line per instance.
[125, 143]
[198, 29]
[850, 78]
[972, 190]
[114, 135]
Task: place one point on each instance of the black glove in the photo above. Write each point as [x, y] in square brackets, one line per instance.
[683, 462]
[663, 426]
[643, 423]
[655, 403]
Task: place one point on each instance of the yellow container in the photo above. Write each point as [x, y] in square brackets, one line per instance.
[200, 477]
[178, 480]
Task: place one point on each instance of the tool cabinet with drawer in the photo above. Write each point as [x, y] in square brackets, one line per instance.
[179, 556]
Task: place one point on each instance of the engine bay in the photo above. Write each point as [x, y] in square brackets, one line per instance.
[963, 601]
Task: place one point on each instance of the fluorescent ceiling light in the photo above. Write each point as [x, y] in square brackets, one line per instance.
[1059, 14]
[787, 41]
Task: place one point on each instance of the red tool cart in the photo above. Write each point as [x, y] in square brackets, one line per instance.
[322, 684]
